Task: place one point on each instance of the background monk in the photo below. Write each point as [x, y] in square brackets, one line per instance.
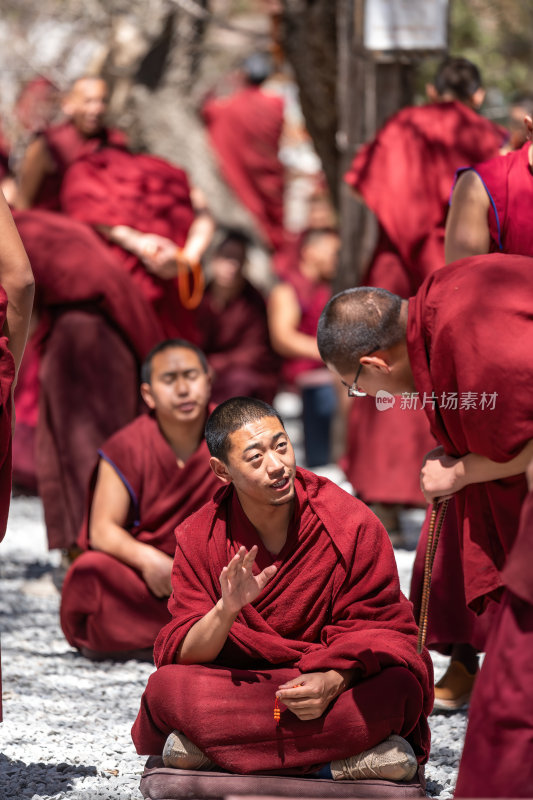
[250, 625]
[245, 131]
[294, 308]
[151, 475]
[51, 153]
[95, 330]
[153, 223]
[232, 320]
[16, 300]
[405, 176]
[496, 760]
[462, 349]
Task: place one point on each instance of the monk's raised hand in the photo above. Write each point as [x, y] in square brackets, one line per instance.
[441, 475]
[238, 584]
[308, 695]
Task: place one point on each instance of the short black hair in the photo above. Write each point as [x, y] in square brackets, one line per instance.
[167, 344]
[233, 235]
[230, 416]
[257, 67]
[459, 77]
[358, 322]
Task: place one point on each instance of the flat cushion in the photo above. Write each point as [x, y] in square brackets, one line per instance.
[165, 783]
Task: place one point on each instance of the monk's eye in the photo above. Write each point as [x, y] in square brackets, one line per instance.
[192, 375]
[255, 458]
[281, 446]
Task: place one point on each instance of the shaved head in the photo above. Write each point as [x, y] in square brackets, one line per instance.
[86, 104]
[230, 416]
[358, 322]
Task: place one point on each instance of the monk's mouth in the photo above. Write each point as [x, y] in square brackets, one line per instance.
[185, 407]
[280, 485]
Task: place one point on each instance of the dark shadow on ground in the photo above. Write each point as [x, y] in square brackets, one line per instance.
[17, 777]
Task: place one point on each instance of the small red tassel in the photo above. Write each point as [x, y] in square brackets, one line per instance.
[277, 712]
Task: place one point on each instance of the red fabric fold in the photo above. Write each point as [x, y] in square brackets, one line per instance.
[113, 187]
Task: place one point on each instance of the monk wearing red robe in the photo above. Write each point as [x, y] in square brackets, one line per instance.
[49, 155]
[294, 308]
[151, 475]
[282, 609]
[16, 300]
[489, 212]
[95, 328]
[496, 760]
[405, 176]
[232, 320]
[151, 220]
[245, 131]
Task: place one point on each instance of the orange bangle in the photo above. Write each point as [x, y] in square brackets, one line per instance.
[190, 298]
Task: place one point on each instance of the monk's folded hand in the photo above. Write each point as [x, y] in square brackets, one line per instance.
[156, 571]
[238, 583]
[441, 475]
[308, 695]
[158, 254]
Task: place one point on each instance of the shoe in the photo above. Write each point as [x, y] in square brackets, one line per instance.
[391, 760]
[181, 753]
[454, 688]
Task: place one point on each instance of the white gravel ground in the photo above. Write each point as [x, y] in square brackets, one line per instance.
[66, 729]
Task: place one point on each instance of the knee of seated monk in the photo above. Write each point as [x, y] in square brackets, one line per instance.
[91, 565]
[406, 689]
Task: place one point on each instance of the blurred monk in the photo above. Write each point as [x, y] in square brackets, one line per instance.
[49, 155]
[253, 637]
[245, 131]
[460, 350]
[404, 176]
[153, 223]
[151, 475]
[16, 300]
[294, 308]
[232, 321]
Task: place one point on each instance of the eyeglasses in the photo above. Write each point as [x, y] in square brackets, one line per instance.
[353, 391]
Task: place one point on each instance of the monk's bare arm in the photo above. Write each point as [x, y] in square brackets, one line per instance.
[109, 512]
[283, 319]
[239, 586]
[202, 229]
[467, 227]
[17, 279]
[36, 165]
[443, 475]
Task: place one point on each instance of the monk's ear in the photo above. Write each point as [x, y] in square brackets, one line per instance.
[478, 97]
[377, 361]
[528, 122]
[220, 469]
[146, 394]
[432, 95]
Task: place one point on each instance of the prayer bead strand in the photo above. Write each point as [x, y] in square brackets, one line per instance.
[431, 549]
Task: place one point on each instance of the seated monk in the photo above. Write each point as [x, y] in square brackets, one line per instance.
[154, 224]
[291, 648]
[294, 308]
[151, 475]
[232, 321]
[50, 154]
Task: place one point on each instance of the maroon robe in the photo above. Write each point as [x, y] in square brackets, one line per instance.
[462, 338]
[65, 145]
[236, 342]
[496, 759]
[245, 131]
[113, 187]
[95, 329]
[404, 176]
[509, 185]
[311, 297]
[106, 605]
[7, 376]
[333, 604]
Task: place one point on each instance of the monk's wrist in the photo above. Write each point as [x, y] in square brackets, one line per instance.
[225, 615]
